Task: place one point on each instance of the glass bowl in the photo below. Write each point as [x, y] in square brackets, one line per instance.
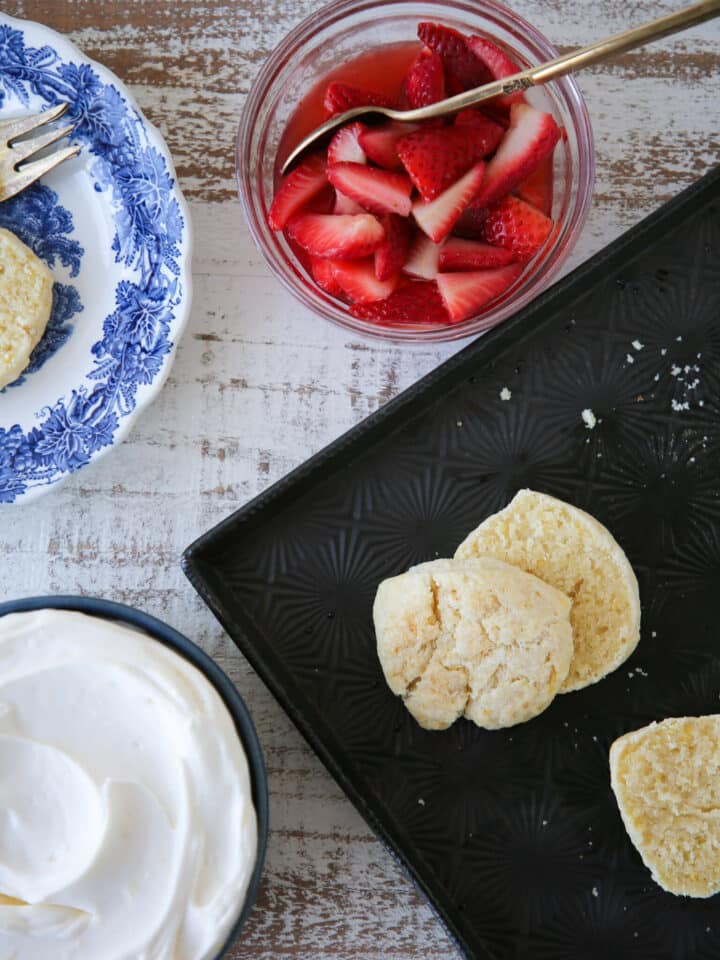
[341, 31]
[149, 625]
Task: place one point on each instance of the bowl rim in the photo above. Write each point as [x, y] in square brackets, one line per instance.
[525, 289]
[230, 695]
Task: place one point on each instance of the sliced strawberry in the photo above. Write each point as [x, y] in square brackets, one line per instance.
[359, 283]
[340, 97]
[438, 217]
[435, 159]
[531, 137]
[497, 113]
[324, 275]
[425, 82]
[378, 190]
[465, 294]
[498, 63]
[538, 188]
[328, 235]
[380, 143]
[470, 224]
[345, 145]
[492, 131]
[517, 226]
[415, 303]
[322, 202]
[297, 189]
[344, 205]
[424, 258]
[462, 67]
[458, 254]
[392, 252]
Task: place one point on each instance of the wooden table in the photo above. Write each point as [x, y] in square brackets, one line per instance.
[259, 384]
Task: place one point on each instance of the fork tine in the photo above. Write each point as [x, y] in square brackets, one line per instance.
[25, 149]
[12, 129]
[30, 172]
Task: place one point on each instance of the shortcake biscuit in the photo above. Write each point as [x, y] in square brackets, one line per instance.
[573, 552]
[25, 305]
[666, 778]
[478, 638]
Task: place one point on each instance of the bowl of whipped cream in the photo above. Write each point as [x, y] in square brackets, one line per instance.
[133, 793]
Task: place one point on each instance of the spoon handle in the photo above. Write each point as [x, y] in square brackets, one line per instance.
[594, 53]
[568, 62]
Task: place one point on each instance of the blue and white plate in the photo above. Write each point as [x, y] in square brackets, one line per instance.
[113, 227]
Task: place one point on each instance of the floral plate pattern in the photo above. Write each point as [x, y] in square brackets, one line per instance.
[113, 227]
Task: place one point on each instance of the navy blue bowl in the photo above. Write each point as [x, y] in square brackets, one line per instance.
[233, 701]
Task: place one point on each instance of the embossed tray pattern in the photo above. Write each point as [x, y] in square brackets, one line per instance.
[514, 835]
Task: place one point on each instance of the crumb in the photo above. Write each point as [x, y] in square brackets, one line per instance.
[663, 351]
[654, 633]
[637, 345]
[458, 423]
[505, 394]
[675, 370]
[595, 892]
[589, 418]
[657, 377]
[630, 358]
[679, 405]
[421, 801]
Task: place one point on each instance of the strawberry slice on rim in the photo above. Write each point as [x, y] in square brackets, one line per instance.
[359, 283]
[345, 144]
[466, 294]
[435, 159]
[459, 254]
[329, 235]
[380, 143]
[390, 255]
[462, 67]
[517, 226]
[298, 188]
[381, 191]
[499, 64]
[437, 217]
[425, 81]
[416, 303]
[531, 137]
[340, 97]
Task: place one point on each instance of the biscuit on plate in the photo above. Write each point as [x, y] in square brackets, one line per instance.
[474, 638]
[666, 779]
[25, 305]
[570, 550]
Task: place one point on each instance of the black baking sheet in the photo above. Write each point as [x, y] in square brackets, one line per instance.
[514, 835]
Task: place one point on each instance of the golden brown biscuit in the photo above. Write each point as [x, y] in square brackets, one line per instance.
[25, 305]
[666, 778]
[477, 638]
[570, 550]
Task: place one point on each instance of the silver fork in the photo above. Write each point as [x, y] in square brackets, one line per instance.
[18, 169]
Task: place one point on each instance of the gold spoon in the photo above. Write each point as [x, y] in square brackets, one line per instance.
[583, 57]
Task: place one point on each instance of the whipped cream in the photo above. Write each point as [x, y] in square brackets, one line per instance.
[127, 830]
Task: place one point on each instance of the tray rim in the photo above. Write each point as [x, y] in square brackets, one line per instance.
[325, 463]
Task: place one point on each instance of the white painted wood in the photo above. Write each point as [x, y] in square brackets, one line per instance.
[259, 384]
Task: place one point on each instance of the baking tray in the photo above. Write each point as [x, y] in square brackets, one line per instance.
[514, 835]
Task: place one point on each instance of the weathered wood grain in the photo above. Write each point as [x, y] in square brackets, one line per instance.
[259, 384]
